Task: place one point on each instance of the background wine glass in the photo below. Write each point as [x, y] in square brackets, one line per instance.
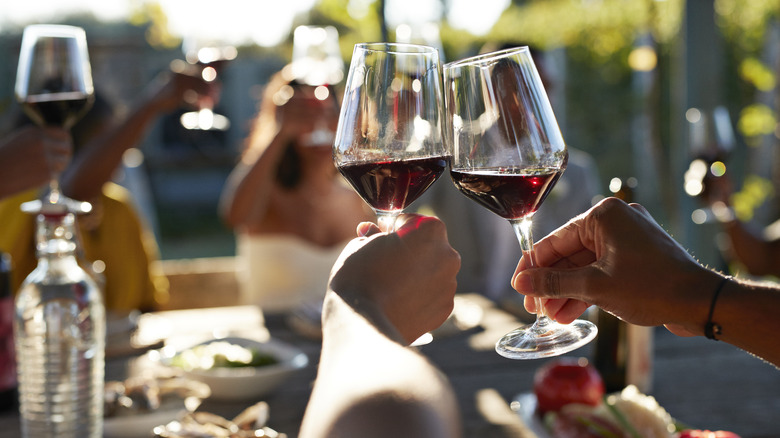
[388, 141]
[507, 154]
[54, 82]
[211, 55]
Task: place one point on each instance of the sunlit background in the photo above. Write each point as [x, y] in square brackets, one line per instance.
[632, 82]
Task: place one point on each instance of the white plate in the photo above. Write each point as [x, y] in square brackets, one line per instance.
[245, 383]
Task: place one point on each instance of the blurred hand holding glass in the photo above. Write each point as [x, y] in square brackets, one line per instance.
[54, 86]
[210, 55]
[507, 154]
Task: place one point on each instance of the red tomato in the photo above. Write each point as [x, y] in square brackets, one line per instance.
[565, 381]
[696, 433]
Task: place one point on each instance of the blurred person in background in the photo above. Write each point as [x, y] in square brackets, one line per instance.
[116, 242]
[757, 250]
[30, 155]
[291, 210]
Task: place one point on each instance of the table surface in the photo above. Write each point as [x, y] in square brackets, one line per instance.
[706, 384]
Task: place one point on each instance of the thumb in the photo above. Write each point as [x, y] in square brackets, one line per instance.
[555, 283]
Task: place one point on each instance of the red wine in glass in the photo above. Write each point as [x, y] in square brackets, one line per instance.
[511, 193]
[56, 109]
[392, 185]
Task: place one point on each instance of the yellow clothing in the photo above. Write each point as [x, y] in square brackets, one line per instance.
[112, 233]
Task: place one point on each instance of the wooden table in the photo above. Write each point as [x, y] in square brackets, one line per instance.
[703, 383]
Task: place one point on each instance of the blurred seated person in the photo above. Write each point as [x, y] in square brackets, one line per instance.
[117, 244]
[30, 155]
[291, 210]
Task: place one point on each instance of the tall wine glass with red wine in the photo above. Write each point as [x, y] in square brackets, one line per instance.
[388, 142]
[507, 154]
[54, 82]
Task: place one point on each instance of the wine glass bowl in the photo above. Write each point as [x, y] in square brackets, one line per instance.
[210, 55]
[507, 153]
[54, 88]
[388, 142]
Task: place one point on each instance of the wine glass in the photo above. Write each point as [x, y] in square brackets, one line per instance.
[388, 142]
[54, 87]
[210, 55]
[507, 154]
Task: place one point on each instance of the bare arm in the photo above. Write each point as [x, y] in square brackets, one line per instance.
[369, 382]
[759, 254]
[97, 161]
[617, 257]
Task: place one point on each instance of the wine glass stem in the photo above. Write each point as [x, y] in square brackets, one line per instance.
[522, 229]
[386, 220]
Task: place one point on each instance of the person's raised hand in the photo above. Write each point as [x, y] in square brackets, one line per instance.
[617, 257]
[408, 276]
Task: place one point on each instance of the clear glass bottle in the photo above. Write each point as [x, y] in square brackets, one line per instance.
[59, 330]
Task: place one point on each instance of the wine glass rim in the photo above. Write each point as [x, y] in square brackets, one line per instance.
[490, 56]
[397, 48]
[59, 30]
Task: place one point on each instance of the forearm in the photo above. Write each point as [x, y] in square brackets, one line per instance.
[99, 159]
[747, 314]
[370, 384]
[248, 187]
[759, 255]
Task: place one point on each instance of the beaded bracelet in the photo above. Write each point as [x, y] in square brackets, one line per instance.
[712, 329]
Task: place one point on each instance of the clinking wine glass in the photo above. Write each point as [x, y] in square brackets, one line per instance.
[388, 142]
[210, 55]
[507, 154]
[54, 88]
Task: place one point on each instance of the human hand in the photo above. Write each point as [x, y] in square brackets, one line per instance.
[37, 154]
[181, 86]
[302, 113]
[408, 276]
[616, 257]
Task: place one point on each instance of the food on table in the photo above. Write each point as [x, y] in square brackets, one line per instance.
[221, 354]
[571, 401]
[139, 395]
[565, 381]
[248, 424]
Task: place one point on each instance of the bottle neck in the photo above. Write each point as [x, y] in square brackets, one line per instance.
[56, 236]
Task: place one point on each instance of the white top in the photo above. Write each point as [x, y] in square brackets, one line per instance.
[281, 272]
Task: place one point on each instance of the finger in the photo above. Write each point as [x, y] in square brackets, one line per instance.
[557, 283]
[571, 310]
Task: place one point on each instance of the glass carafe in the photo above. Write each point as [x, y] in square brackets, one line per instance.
[59, 331]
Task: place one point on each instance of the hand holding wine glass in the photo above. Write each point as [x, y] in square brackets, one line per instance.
[54, 83]
[388, 142]
[507, 154]
[211, 55]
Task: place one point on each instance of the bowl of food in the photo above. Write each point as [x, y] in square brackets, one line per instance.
[238, 368]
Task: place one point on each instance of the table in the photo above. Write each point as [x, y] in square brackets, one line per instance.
[704, 383]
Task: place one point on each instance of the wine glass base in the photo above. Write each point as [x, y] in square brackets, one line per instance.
[545, 339]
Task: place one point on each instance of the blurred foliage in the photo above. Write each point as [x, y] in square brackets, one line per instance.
[755, 192]
[151, 15]
[602, 28]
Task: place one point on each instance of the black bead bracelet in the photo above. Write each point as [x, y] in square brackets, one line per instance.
[713, 329]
